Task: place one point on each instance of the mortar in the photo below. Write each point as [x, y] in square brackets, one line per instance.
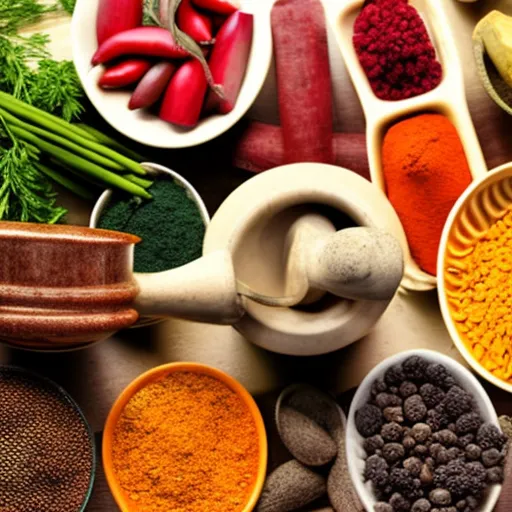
[278, 263]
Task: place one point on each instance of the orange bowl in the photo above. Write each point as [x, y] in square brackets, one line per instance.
[162, 371]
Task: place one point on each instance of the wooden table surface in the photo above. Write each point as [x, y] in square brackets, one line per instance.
[97, 375]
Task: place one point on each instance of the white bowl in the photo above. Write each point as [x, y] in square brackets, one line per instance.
[145, 127]
[447, 98]
[355, 452]
[474, 199]
[153, 169]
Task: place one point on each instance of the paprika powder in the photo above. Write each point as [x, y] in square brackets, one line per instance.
[395, 50]
[425, 171]
[188, 443]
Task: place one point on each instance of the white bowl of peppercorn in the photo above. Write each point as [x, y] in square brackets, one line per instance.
[423, 435]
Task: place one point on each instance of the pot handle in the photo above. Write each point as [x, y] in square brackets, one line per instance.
[204, 290]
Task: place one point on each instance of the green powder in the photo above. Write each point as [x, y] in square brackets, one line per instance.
[170, 226]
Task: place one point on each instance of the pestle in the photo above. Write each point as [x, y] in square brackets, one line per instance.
[360, 263]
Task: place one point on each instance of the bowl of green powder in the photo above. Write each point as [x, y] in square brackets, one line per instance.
[171, 225]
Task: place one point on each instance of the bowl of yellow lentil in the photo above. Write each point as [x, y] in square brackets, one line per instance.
[475, 276]
[185, 436]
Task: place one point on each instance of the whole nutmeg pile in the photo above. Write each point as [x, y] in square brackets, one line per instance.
[428, 448]
[312, 427]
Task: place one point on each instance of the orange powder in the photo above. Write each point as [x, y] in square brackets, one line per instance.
[186, 443]
[425, 170]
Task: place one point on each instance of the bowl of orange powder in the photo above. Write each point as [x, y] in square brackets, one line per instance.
[185, 436]
[475, 276]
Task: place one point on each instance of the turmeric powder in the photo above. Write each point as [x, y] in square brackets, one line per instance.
[186, 443]
[481, 303]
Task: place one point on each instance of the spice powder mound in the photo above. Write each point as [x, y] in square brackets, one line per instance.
[481, 300]
[46, 453]
[186, 443]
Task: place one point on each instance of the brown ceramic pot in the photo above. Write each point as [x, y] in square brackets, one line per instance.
[65, 287]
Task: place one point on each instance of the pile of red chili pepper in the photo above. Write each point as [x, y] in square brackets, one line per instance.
[395, 50]
[169, 75]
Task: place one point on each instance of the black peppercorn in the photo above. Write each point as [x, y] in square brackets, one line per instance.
[399, 503]
[372, 444]
[368, 420]
[421, 505]
[408, 389]
[391, 432]
[414, 408]
[491, 457]
[393, 452]
[394, 414]
[383, 400]
[421, 432]
[394, 376]
[431, 394]
[495, 475]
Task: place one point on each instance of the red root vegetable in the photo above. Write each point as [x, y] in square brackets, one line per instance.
[124, 73]
[228, 61]
[150, 41]
[196, 24]
[261, 147]
[152, 86]
[303, 80]
[185, 95]
[219, 6]
[116, 16]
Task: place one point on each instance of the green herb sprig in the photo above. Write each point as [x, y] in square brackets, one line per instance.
[25, 193]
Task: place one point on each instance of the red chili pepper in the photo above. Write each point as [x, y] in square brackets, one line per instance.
[185, 94]
[229, 59]
[116, 16]
[219, 6]
[197, 25]
[124, 73]
[150, 41]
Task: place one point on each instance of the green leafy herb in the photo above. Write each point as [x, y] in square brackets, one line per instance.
[15, 55]
[25, 193]
[27, 72]
[16, 14]
[68, 5]
[64, 97]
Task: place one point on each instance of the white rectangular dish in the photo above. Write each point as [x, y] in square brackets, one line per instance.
[448, 98]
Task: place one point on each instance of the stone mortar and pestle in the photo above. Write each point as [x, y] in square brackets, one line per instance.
[64, 287]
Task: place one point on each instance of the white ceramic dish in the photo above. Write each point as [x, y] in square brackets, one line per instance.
[250, 224]
[145, 127]
[355, 450]
[448, 99]
[482, 202]
[153, 169]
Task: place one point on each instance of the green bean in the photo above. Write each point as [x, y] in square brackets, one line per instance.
[138, 180]
[108, 141]
[64, 181]
[65, 129]
[79, 150]
[81, 164]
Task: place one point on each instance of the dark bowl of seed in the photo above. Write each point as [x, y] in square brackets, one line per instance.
[47, 454]
[423, 436]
